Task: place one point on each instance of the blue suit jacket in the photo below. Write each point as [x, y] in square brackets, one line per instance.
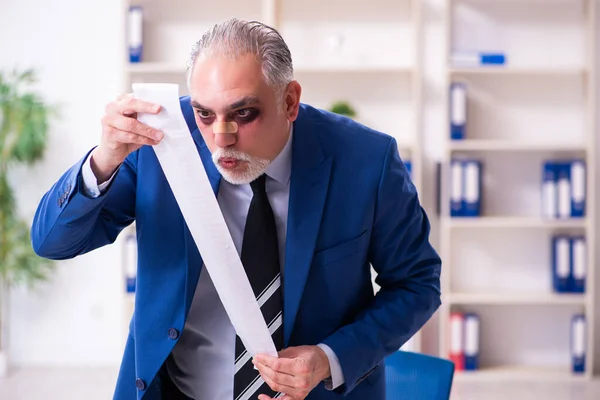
[351, 204]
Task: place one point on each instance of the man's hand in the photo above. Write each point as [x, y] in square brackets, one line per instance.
[122, 134]
[296, 372]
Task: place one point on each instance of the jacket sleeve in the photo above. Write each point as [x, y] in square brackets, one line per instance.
[408, 272]
[68, 222]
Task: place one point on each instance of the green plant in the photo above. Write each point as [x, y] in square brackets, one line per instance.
[24, 120]
[343, 108]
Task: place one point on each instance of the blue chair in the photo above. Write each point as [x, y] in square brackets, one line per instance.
[416, 376]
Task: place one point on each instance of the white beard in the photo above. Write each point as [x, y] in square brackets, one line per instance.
[255, 166]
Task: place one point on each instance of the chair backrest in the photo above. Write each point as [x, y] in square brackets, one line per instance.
[419, 376]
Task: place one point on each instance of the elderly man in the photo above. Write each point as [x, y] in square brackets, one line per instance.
[312, 200]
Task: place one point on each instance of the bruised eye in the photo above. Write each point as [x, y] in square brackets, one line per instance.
[246, 114]
[243, 113]
[203, 113]
[205, 116]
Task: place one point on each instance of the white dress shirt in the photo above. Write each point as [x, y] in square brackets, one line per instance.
[204, 356]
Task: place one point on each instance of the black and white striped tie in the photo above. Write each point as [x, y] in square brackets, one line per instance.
[260, 258]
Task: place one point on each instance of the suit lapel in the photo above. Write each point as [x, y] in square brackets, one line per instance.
[308, 191]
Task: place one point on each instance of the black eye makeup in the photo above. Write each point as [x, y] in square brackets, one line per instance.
[241, 116]
[205, 116]
[245, 115]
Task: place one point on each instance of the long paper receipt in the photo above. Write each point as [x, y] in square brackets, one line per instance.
[184, 170]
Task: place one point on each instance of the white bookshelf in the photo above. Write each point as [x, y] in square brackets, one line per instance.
[342, 50]
[516, 373]
[516, 71]
[540, 105]
[525, 298]
[510, 145]
[513, 222]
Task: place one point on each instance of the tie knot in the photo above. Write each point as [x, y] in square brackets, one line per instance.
[258, 185]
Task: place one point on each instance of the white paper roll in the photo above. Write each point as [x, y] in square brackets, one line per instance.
[183, 168]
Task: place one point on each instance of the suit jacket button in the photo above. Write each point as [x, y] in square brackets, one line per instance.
[173, 333]
[140, 384]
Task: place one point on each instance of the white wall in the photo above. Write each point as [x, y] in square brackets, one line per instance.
[75, 319]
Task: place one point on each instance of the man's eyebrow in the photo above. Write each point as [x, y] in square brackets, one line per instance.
[243, 102]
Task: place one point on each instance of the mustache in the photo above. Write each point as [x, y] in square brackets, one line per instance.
[230, 153]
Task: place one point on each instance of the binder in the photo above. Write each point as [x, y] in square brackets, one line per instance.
[134, 31]
[456, 188]
[549, 190]
[578, 342]
[563, 188]
[561, 263]
[472, 188]
[458, 110]
[578, 192]
[471, 342]
[457, 355]
[578, 264]
[130, 263]
[475, 59]
[408, 165]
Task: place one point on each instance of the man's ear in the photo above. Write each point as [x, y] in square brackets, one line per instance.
[292, 100]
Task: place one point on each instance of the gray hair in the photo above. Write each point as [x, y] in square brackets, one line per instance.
[233, 38]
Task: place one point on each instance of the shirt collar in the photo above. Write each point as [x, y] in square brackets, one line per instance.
[280, 168]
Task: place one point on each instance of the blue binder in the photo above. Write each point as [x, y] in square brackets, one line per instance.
[563, 189]
[471, 348]
[456, 188]
[578, 264]
[472, 188]
[458, 110]
[492, 58]
[408, 165]
[475, 59]
[134, 34]
[549, 190]
[130, 263]
[561, 263]
[578, 188]
[578, 342]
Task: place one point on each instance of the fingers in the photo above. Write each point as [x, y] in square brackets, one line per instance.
[290, 366]
[128, 105]
[277, 377]
[131, 125]
[277, 387]
[296, 386]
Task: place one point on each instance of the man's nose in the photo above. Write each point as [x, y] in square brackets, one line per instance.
[225, 139]
[225, 133]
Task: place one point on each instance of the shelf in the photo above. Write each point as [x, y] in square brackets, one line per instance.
[508, 298]
[156, 68]
[505, 145]
[176, 68]
[512, 222]
[519, 373]
[516, 71]
[406, 145]
[305, 69]
[130, 298]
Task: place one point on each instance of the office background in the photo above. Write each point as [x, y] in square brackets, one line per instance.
[389, 60]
